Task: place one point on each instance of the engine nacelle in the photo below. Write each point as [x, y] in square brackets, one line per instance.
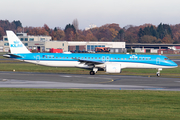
[113, 68]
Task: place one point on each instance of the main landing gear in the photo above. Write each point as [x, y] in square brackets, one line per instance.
[158, 73]
[92, 72]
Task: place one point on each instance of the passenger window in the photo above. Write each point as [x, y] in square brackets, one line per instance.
[88, 57]
[125, 58]
[92, 57]
[121, 58]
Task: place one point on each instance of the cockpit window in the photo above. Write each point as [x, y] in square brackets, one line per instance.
[166, 59]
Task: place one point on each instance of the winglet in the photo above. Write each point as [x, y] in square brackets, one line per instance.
[16, 46]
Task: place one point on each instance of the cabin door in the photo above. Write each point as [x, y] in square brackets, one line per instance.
[37, 58]
[157, 61]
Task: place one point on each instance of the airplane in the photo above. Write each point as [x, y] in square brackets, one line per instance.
[111, 63]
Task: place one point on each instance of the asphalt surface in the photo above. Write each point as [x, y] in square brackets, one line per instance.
[73, 81]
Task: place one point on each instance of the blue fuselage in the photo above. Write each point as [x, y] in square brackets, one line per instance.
[103, 58]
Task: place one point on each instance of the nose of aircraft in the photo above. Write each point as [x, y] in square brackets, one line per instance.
[173, 64]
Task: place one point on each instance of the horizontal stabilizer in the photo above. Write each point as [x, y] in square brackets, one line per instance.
[11, 56]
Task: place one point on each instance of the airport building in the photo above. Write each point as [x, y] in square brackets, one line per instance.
[90, 46]
[45, 43]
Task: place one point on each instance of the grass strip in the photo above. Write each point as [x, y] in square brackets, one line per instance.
[88, 104]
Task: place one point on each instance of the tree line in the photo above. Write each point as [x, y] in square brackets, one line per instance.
[147, 33]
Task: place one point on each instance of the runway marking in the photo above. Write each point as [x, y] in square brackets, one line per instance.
[153, 88]
[106, 82]
[74, 88]
[66, 76]
[176, 81]
[4, 80]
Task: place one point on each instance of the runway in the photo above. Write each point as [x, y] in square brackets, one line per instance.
[75, 81]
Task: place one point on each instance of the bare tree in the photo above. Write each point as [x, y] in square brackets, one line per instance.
[75, 24]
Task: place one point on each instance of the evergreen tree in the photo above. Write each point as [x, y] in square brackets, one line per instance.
[154, 32]
[163, 30]
[147, 31]
[140, 33]
[160, 31]
[70, 26]
[121, 34]
[17, 23]
[167, 29]
[55, 29]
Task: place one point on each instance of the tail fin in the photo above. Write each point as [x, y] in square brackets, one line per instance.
[16, 46]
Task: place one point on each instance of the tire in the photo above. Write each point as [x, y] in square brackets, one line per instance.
[92, 73]
[158, 74]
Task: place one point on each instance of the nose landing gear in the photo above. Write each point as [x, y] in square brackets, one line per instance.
[158, 73]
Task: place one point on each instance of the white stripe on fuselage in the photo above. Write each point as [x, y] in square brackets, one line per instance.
[78, 64]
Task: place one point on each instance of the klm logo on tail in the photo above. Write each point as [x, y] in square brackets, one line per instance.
[16, 44]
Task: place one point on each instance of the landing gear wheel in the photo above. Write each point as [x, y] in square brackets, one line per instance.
[158, 74]
[92, 73]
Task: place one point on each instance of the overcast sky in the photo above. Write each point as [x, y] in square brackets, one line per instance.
[58, 13]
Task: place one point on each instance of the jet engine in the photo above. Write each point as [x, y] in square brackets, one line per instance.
[113, 68]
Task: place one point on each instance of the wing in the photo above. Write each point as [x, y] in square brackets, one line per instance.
[89, 62]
